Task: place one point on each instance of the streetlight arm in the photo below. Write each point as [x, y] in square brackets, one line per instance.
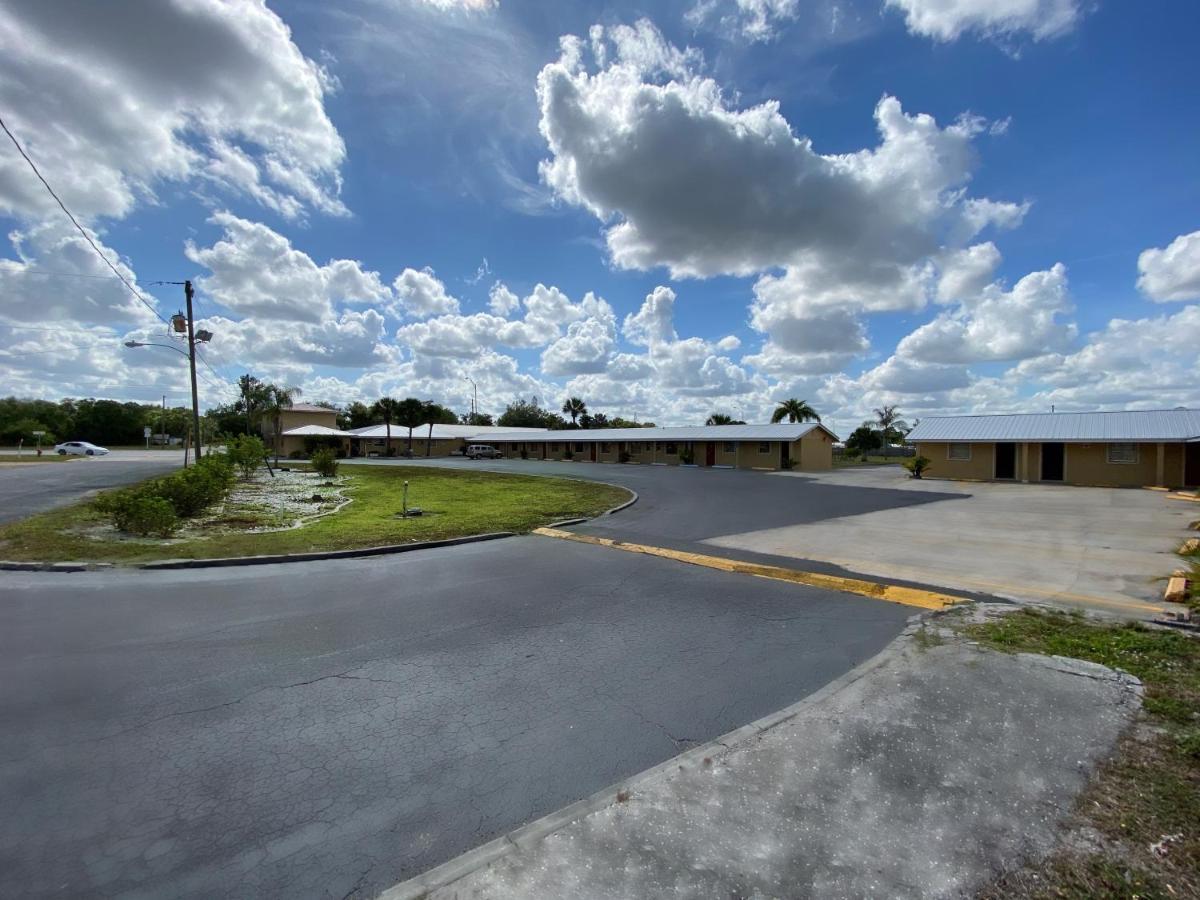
[132, 344]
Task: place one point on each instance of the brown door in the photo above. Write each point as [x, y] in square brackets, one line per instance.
[543, 449]
[1191, 464]
[710, 453]
[592, 449]
[1006, 461]
[783, 454]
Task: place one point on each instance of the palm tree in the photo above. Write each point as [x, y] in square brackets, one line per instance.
[889, 425]
[722, 419]
[794, 411]
[275, 400]
[411, 413]
[386, 408]
[574, 407]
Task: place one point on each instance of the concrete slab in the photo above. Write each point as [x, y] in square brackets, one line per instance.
[1105, 549]
[855, 795]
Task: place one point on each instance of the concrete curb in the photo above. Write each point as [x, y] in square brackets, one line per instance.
[6, 566]
[608, 512]
[327, 554]
[528, 835]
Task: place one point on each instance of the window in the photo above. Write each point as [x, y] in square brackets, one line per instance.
[1123, 453]
[670, 448]
[764, 447]
[961, 452]
[730, 447]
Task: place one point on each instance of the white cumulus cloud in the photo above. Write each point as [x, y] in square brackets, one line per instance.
[1172, 273]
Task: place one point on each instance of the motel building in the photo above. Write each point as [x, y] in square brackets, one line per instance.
[440, 440]
[809, 446]
[1150, 448]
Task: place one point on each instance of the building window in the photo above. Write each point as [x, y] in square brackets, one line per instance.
[764, 447]
[1123, 453]
[730, 447]
[670, 448]
[604, 446]
[961, 452]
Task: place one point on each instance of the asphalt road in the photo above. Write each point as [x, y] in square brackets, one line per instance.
[29, 489]
[329, 729]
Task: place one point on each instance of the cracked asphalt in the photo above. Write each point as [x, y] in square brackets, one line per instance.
[329, 729]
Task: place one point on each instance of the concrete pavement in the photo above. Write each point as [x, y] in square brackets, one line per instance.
[919, 775]
[25, 490]
[330, 729]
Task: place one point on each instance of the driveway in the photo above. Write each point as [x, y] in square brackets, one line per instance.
[1103, 549]
[328, 729]
[37, 487]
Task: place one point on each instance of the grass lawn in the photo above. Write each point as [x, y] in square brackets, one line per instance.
[840, 462]
[1148, 792]
[455, 503]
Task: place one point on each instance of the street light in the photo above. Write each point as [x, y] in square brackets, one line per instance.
[181, 324]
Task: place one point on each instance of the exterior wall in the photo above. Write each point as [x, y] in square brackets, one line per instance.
[749, 457]
[378, 446]
[980, 467]
[813, 452]
[294, 443]
[1083, 464]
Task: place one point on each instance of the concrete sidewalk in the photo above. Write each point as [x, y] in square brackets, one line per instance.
[920, 774]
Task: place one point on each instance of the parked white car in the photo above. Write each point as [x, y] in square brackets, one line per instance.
[482, 451]
[80, 448]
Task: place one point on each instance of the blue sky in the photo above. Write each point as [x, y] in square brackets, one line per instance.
[974, 205]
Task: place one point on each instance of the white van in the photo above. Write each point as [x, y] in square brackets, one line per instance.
[482, 451]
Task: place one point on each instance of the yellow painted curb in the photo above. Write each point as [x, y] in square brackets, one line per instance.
[890, 593]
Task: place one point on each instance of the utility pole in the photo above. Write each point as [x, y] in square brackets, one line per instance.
[187, 293]
[162, 422]
[246, 384]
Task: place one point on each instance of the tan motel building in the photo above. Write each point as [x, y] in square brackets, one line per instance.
[808, 445]
[1143, 448]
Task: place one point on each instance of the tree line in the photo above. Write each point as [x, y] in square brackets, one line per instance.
[98, 421]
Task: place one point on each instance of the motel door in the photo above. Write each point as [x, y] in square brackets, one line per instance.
[1191, 464]
[592, 449]
[710, 453]
[1052, 462]
[1006, 461]
[543, 449]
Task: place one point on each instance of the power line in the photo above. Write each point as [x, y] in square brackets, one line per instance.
[75, 222]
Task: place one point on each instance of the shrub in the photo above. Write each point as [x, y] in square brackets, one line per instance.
[917, 465]
[141, 513]
[623, 456]
[568, 454]
[524, 453]
[315, 442]
[190, 491]
[787, 463]
[246, 452]
[850, 453]
[687, 456]
[325, 462]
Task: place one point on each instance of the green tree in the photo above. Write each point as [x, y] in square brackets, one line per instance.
[277, 399]
[891, 427]
[477, 418]
[794, 411]
[410, 414]
[864, 440]
[357, 415]
[527, 414]
[387, 409]
[722, 419]
[574, 407]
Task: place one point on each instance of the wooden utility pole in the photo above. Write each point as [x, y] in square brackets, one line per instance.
[187, 293]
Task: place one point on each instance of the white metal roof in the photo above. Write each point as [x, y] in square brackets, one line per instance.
[309, 408]
[781, 432]
[313, 430]
[1133, 425]
[440, 432]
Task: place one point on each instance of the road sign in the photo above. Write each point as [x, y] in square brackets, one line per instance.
[39, 433]
[146, 432]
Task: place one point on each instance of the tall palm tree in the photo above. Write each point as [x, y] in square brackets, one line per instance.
[411, 413]
[386, 408]
[275, 400]
[574, 407]
[794, 411]
[889, 425]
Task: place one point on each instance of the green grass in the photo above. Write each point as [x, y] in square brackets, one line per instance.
[455, 503]
[1149, 789]
[842, 462]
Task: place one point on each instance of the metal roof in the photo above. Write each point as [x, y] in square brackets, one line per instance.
[1132, 425]
[783, 431]
[309, 408]
[310, 430]
[440, 432]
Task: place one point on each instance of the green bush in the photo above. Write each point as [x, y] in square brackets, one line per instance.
[296, 454]
[315, 442]
[246, 452]
[787, 463]
[190, 491]
[568, 453]
[140, 513]
[325, 462]
[623, 456]
[917, 465]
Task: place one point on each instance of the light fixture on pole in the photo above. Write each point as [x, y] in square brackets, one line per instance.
[181, 324]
